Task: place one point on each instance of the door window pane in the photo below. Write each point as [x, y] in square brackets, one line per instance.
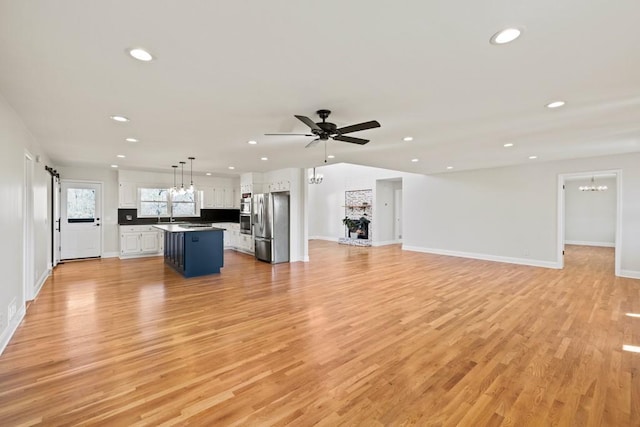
[81, 203]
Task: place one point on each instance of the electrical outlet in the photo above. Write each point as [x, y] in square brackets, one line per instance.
[526, 252]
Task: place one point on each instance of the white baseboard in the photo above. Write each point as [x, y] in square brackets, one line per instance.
[40, 282]
[110, 255]
[386, 242]
[631, 274]
[485, 257]
[328, 238]
[583, 243]
[11, 328]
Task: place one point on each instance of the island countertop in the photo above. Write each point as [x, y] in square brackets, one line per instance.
[187, 228]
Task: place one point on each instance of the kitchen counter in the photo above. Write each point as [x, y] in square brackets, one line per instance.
[193, 249]
[187, 228]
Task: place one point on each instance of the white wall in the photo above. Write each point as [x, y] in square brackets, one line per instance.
[505, 214]
[14, 140]
[326, 200]
[109, 179]
[590, 216]
[510, 214]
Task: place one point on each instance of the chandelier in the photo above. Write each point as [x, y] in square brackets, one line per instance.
[593, 186]
[315, 178]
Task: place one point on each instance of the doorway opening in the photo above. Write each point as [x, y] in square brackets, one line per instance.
[589, 218]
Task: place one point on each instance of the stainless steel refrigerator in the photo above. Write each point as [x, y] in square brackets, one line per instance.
[271, 227]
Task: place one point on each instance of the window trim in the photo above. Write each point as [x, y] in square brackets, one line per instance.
[169, 202]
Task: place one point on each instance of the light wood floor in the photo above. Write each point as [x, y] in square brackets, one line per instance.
[358, 336]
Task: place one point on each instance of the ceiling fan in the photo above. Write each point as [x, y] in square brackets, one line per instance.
[324, 130]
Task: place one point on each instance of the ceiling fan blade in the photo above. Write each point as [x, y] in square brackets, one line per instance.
[290, 134]
[312, 143]
[350, 139]
[307, 121]
[360, 126]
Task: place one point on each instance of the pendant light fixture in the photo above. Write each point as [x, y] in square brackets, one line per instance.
[191, 187]
[173, 190]
[182, 190]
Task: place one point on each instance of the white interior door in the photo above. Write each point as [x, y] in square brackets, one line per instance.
[56, 220]
[80, 214]
[397, 213]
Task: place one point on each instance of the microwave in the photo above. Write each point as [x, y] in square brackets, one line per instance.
[245, 206]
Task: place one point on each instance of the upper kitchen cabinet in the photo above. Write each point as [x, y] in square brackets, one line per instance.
[128, 195]
[283, 185]
[220, 194]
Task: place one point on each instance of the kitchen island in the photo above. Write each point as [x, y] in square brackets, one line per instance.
[193, 249]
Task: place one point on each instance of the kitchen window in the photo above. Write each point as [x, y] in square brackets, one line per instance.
[153, 202]
[158, 202]
[183, 204]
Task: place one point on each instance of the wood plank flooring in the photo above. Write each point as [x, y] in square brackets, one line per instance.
[357, 336]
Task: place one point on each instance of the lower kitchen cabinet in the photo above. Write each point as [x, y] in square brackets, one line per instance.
[140, 240]
[194, 253]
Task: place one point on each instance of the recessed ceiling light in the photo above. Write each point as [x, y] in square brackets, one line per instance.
[114, 166]
[507, 145]
[414, 160]
[449, 167]
[252, 142]
[140, 54]
[119, 118]
[264, 158]
[555, 104]
[208, 173]
[505, 36]
[407, 138]
[122, 156]
[132, 140]
[533, 157]
[331, 156]
[232, 167]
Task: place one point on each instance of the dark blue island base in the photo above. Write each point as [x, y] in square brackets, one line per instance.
[193, 252]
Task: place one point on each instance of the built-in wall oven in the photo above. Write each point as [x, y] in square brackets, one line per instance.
[245, 213]
[245, 223]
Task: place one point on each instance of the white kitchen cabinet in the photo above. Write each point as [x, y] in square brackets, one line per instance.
[128, 195]
[149, 242]
[236, 198]
[279, 186]
[208, 197]
[218, 198]
[245, 243]
[129, 243]
[140, 240]
[229, 196]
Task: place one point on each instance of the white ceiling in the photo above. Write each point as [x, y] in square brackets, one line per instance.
[228, 72]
